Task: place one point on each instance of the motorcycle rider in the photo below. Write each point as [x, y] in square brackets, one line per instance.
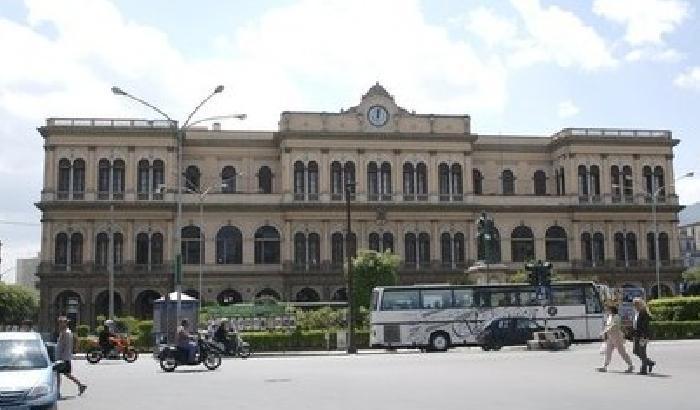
[105, 338]
[221, 336]
[184, 342]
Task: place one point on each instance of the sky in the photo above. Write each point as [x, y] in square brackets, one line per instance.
[519, 66]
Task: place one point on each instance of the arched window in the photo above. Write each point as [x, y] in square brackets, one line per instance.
[142, 245]
[229, 246]
[158, 178]
[659, 182]
[228, 180]
[615, 186]
[446, 249]
[374, 242]
[191, 247]
[229, 297]
[408, 182]
[103, 177]
[422, 181]
[582, 181]
[651, 250]
[494, 254]
[349, 176]
[143, 179]
[595, 181]
[267, 245]
[598, 248]
[540, 179]
[118, 249]
[61, 249]
[118, 179]
[192, 178]
[522, 244]
[314, 249]
[336, 181]
[340, 295]
[337, 247]
[457, 186]
[63, 178]
[299, 250]
[76, 249]
[372, 181]
[631, 246]
[351, 244]
[156, 249]
[388, 242]
[664, 254]
[556, 245]
[627, 183]
[619, 240]
[410, 248]
[101, 249]
[299, 180]
[561, 182]
[586, 247]
[78, 178]
[307, 295]
[444, 182]
[423, 249]
[265, 180]
[648, 180]
[312, 171]
[476, 182]
[268, 293]
[458, 253]
[508, 182]
[386, 181]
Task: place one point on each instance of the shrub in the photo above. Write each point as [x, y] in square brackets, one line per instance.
[82, 330]
[676, 308]
[299, 340]
[17, 303]
[145, 334]
[689, 329]
[128, 324]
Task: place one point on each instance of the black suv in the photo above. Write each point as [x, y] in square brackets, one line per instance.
[507, 331]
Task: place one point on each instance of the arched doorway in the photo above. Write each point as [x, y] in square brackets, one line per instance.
[68, 303]
[307, 295]
[665, 291]
[143, 308]
[102, 304]
[340, 295]
[194, 293]
[229, 297]
[267, 292]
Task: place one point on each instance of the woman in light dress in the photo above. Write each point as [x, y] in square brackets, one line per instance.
[614, 339]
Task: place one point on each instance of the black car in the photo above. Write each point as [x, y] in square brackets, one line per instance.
[507, 331]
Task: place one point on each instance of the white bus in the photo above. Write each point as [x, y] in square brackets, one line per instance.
[440, 316]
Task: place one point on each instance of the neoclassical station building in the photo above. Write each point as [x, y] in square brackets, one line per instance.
[273, 220]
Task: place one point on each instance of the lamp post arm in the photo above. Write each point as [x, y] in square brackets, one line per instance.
[151, 106]
[189, 117]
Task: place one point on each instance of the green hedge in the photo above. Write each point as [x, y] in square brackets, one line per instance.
[676, 308]
[82, 330]
[305, 340]
[676, 330]
[144, 338]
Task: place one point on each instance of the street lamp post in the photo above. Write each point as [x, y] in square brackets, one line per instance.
[351, 349]
[179, 135]
[110, 261]
[654, 199]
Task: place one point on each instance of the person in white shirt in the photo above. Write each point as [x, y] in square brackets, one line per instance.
[64, 353]
[614, 339]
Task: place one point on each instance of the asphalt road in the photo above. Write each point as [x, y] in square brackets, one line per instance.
[462, 378]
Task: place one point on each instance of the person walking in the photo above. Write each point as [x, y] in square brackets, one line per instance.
[642, 334]
[614, 339]
[64, 353]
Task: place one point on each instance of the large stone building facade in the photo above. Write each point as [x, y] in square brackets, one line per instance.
[273, 220]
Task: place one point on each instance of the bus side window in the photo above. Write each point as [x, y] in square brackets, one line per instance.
[463, 298]
[482, 298]
[400, 300]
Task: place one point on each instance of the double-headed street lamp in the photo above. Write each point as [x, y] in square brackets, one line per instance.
[179, 134]
[654, 199]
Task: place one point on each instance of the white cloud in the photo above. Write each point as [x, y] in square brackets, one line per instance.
[541, 35]
[645, 21]
[567, 109]
[689, 79]
[668, 55]
[688, 190]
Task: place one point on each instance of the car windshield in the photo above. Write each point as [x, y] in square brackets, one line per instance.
[22, 355]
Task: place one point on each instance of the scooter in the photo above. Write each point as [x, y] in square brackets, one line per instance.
[234, 346]
[122, 350]
[170, 357]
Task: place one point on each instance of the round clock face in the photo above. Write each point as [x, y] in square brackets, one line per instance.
[377, 115]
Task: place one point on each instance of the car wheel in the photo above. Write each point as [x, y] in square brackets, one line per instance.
[486, 348]
[168, 364]
[439, 341]
[569, 336]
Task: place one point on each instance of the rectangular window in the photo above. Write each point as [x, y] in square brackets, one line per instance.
[400, 300]
[463, 298]
[568, 296]
[436, 298]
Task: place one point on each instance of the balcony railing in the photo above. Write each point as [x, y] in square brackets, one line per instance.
[109, 123]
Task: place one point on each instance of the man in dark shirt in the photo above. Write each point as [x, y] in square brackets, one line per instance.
[642, 334]
[105, 340]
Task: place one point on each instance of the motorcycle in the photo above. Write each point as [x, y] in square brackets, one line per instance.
[234, 346]
[170, 357]
[121, 349]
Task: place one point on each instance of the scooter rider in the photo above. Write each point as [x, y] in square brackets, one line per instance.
[184, 342]
[105, 337]
[221, 336]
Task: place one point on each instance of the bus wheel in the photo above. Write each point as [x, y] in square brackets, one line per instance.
[439, 341]
[569, 335]
[485, 348]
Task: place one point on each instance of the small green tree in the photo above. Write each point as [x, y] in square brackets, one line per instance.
[17, 303]
[692, 275]
[371, 269]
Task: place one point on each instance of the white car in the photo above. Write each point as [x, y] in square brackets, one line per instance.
[27, 378]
